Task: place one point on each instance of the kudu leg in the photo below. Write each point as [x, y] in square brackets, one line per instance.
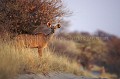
[40, 52]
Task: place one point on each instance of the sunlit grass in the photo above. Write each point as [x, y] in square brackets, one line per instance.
[16, 60]
[65, 47]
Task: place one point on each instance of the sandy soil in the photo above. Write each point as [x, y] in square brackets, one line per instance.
[51, 76]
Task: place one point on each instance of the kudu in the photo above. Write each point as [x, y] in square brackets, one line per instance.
[39, 40]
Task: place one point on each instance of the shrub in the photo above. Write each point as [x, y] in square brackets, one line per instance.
[23, 16]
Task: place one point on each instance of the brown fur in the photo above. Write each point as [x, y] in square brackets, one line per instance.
[39, 41]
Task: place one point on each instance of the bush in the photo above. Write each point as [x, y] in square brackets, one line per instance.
[65, 47]
[23, 16]
[89, 48]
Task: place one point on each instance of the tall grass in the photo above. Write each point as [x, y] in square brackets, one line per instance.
[15, 60]
[65, 47]
[9, 58]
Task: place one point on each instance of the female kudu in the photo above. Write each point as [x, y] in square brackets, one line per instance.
[39, 40]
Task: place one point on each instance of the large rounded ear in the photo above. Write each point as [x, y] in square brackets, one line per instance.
[57, 26]
[49, 24]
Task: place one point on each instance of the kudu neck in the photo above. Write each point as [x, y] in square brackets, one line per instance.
[49, 36]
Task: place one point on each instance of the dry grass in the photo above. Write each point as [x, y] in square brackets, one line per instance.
[8, 60]
[15, 60]
[65, 47]
[108, 76]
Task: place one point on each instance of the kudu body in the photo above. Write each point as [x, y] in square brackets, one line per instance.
[39, 40]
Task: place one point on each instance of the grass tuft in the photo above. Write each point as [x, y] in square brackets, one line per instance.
[15, 60]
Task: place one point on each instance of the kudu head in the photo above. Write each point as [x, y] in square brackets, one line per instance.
[47, 29]
[53, 28]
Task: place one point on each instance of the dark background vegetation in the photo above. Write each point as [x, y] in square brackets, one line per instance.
[102, 51]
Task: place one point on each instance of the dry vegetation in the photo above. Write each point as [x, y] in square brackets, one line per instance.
[89, 50]
[60, 56]
[15, 60]
[23, 16]
[64, 52]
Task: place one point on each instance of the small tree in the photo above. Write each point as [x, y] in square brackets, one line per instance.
[23, 16]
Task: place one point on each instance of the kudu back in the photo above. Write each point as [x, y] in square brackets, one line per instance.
[39, 40]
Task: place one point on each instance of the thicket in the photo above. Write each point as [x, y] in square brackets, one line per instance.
[23, 16]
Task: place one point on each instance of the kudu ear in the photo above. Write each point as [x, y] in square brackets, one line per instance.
[49, 24]
[57, 26]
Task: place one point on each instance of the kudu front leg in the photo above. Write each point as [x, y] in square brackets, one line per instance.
[40, 50]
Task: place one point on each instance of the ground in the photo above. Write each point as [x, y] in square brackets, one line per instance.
[55, 75]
